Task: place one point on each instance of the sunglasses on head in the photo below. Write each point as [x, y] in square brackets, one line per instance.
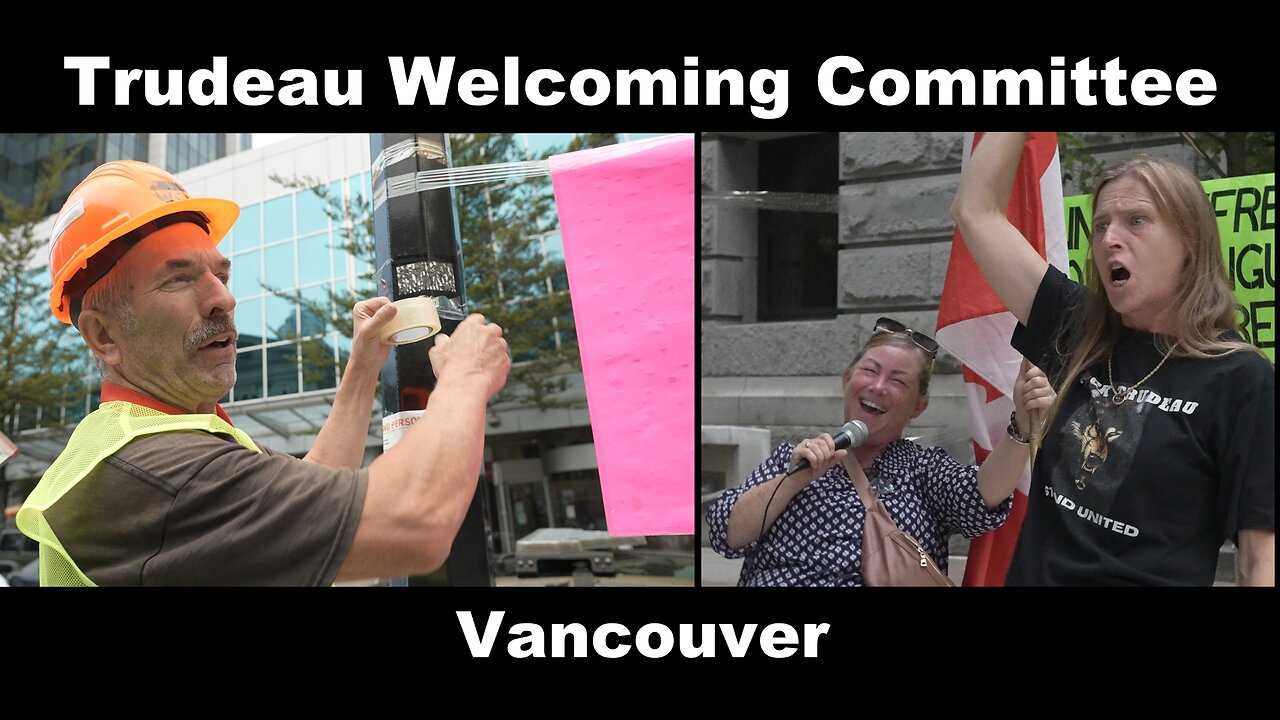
[924, 342]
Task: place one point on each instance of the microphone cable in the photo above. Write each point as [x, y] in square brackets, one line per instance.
[765, 518]
[853, 430]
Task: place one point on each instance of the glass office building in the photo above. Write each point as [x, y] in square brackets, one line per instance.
[281, 245]
[22, 153]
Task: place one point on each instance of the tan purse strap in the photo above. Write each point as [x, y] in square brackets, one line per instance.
[877, 525]
[882, 514]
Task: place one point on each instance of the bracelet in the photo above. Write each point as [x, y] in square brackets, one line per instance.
[1014, 433]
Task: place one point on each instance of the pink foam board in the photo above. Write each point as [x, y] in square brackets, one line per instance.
[627, 222]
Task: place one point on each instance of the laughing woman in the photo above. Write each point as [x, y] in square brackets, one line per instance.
[806, 529]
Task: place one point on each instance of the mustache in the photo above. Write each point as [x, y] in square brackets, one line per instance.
[209, 330]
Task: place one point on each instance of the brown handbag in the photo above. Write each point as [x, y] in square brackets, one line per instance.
[892, 557]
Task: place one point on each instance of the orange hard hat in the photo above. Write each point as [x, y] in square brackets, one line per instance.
[116, 199]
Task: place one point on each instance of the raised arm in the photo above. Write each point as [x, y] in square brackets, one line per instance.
[341, 441]
[419, 490]
[1011, 266]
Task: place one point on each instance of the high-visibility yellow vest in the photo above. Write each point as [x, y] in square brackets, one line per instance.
[103, 431]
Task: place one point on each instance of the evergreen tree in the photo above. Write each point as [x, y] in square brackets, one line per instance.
[512, 264]
[42, 363]
[1226, 154]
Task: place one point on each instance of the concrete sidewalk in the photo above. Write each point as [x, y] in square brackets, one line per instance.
[717, 570]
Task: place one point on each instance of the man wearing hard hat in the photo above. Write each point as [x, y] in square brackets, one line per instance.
[157, 487]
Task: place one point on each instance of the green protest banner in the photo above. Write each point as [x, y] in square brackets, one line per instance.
[1246, 210]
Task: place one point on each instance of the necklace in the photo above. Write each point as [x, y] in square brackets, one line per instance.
[1119, 396]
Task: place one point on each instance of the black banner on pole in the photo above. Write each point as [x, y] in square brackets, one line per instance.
[418, 254]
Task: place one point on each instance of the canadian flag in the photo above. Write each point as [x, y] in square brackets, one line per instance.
[975, 326]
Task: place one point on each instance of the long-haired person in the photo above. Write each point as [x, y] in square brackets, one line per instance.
[1161, 443]
[807, 529]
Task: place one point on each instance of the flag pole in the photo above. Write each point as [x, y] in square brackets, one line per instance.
[1034, 418]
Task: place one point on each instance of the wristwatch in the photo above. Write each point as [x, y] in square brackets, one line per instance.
[1015, 434]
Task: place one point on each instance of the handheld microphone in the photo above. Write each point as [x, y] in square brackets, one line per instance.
[853, 434]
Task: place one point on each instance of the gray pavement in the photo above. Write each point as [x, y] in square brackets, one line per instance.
[717, 570]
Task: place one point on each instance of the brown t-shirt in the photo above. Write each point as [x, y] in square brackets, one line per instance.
[197, 508]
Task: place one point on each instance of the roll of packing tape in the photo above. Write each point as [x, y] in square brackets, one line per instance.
[416, 319]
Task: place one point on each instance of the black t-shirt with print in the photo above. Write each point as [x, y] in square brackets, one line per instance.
[1144, 493]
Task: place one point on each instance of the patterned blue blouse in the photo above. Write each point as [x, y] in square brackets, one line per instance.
[817, 540]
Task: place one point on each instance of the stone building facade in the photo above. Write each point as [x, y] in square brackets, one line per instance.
[769, 380]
